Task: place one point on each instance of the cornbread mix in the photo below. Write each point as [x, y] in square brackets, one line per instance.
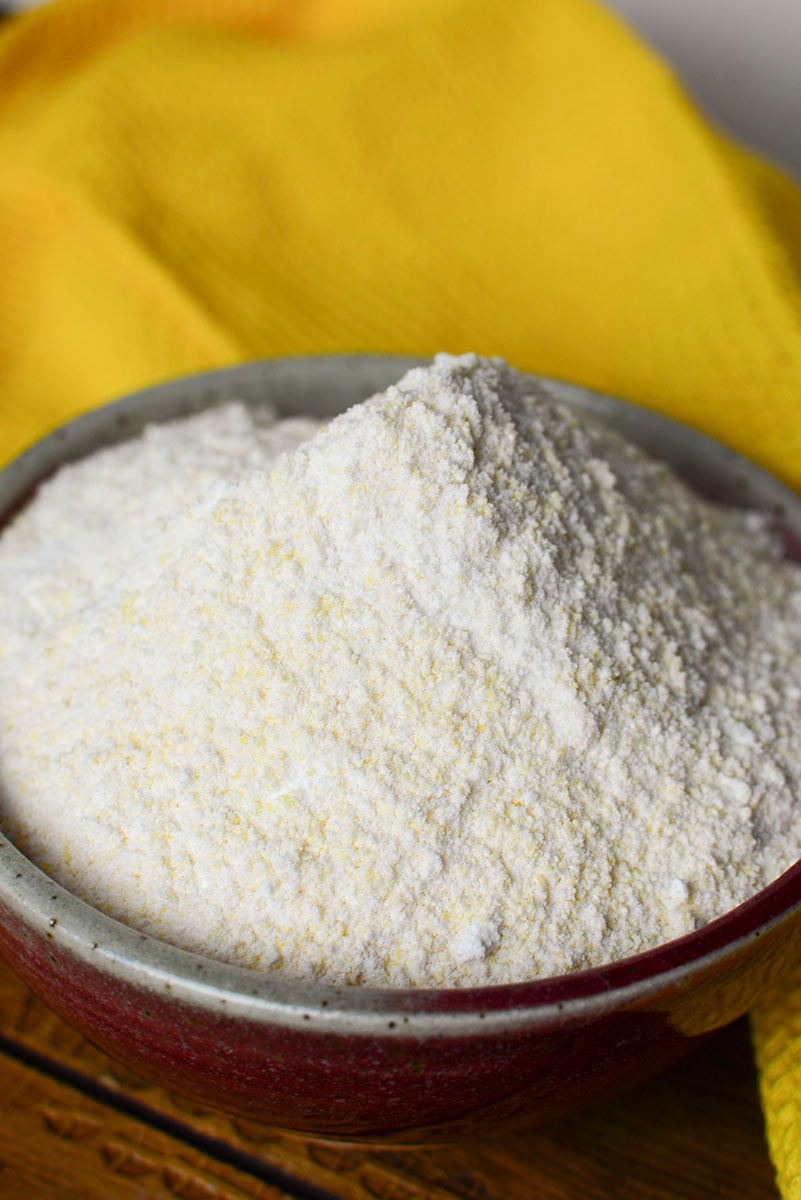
[461, 688]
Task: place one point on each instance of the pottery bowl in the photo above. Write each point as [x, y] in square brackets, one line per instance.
[392, 1065]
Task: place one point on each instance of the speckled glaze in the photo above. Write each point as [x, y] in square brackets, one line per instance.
[362, 1063]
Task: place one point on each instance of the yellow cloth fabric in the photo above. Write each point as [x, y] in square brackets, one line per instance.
[776, 1027]
[188, 183]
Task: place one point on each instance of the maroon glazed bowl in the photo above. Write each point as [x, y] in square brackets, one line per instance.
[394, 1065]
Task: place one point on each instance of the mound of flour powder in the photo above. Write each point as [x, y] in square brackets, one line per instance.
[461, 688]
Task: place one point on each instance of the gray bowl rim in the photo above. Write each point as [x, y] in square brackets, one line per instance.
[154, 966]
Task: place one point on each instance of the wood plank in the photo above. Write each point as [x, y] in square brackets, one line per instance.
[694, 1134]
[57, 1144]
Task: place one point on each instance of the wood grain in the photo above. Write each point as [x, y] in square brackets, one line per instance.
[55, 1142]
[694, 1134]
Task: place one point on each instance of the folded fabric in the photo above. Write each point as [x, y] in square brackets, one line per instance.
[776, 1026]
[185, 183]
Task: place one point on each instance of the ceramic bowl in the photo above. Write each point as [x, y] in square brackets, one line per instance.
[393, 1065]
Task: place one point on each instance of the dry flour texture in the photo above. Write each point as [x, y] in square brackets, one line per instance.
[461, 688]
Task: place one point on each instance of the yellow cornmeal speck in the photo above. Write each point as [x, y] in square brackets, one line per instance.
[461, 690]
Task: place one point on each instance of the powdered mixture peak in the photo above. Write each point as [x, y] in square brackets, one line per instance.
[460, 688]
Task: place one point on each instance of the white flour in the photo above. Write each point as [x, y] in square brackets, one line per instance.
[465, 689]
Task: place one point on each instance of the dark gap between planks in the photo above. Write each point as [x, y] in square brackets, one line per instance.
[249, 1164]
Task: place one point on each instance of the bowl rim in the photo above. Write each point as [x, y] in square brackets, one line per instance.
[29, 896]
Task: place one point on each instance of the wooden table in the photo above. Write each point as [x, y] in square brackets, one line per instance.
[75, 1126]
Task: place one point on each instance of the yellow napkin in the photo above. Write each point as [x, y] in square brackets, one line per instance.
[187, 183]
